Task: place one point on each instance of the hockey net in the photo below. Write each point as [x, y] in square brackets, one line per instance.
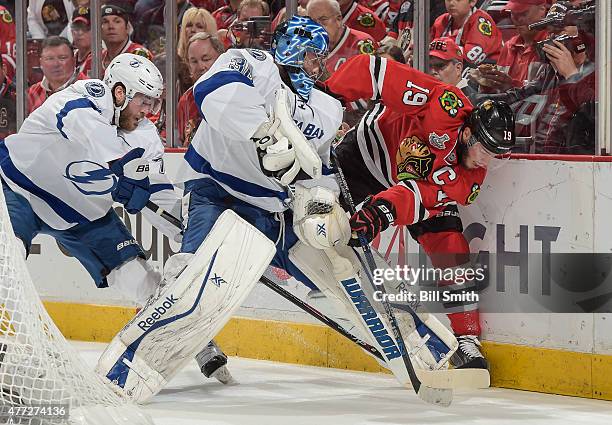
[42, 378]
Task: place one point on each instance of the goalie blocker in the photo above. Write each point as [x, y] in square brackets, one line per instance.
[189, 309]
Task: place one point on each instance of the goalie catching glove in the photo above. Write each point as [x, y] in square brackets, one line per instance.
[374, 217]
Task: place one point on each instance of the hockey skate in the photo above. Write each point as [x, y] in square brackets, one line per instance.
[212, 363]
[468, 355]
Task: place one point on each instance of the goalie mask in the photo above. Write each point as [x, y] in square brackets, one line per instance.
[299, 44]
[141, 79]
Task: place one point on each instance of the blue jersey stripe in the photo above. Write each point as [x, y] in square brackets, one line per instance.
[206, 87]
[65, 211]
[71, 105]
[201, 165]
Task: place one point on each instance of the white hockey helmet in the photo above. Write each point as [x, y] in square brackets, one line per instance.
[138, 75]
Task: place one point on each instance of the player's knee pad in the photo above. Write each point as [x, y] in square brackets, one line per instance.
[318, 219]
[137, 280]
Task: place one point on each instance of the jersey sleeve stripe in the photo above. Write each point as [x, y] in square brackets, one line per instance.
[71, 106]
[201, 165]
[65, 211]
[220, 79]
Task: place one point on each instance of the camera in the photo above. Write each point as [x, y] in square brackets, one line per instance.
[257, 27]
[563, 14]
[573, 43]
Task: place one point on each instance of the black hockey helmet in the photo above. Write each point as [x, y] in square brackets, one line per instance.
[492, 124]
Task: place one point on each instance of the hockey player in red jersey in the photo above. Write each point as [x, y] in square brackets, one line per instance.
[473, 29]
[408, 152]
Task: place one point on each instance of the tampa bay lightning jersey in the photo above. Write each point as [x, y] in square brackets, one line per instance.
[234, 97]
[59, 159]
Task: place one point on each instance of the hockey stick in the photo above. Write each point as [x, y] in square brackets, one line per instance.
[438, 396]
[164, 214]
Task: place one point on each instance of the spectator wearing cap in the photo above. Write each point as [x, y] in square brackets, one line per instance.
[81, 39]
[518, 61]
[472, 29]
[359, 17]
[344, 42]
[59, 70]
[7, 33]
[8, 99]
[203, 49]
[116, 35]
[49, 17]
[446, 64]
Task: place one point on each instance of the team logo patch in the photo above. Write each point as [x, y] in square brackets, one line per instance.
[95, 89]
[366, 47]
[438, 142]
[414, 159]
[6, 16]
[257, 54]
[475, 191]
[141, 51]
[366, 20]
[485, 27]
[90, 178]
[451, 103]
[451, 158]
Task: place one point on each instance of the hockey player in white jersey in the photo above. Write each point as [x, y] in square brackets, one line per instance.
[66, 166]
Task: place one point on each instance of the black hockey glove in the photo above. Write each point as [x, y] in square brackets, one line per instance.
[373, 218]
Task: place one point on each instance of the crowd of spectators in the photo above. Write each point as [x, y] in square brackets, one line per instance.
[485, 47]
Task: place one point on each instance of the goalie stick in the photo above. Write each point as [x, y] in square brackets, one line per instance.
[449, 378]
[438, 396]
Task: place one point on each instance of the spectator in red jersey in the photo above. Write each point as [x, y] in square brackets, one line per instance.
[236, 35]
[81, 39]
[472, 29]
[116, 35]
[8, 101]
[202, 51]
[59, 70]
[518, 61]
[7, 33]
[363, 19]
[49, 17]
[446, 64]
[227, 14]
[344, 42]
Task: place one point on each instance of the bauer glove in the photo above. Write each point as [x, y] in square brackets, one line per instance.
[374, 217]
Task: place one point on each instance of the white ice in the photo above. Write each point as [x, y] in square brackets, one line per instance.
[272, 393]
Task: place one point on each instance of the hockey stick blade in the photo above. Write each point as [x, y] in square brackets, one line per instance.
[164, 214]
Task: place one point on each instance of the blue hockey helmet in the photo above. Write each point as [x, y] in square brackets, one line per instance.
[295, 41]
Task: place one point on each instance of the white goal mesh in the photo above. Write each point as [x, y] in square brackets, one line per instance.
[41, 375]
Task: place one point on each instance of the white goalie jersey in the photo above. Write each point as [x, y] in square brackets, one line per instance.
[235, 97]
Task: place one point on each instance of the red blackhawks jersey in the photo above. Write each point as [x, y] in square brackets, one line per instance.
[478, 36]
[130, 47]
[411, 136]
[7, 33]
[352, 42]
[386, 10]
[363, 19]
[188, 117]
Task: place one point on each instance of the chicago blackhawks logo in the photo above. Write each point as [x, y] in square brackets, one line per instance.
[366, 47]
[414, 159]
[485, 27]
[451, 103]
[6, 16]
[366, 20]
[475, 191]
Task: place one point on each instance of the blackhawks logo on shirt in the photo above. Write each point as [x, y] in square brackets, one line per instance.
[451, 103]
[366, 20]
[366, 47]
[6, 16]
[141, 51]
[475, 191]
[485, 27]
[414, 159]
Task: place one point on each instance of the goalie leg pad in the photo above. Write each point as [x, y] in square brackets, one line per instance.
[189, 312]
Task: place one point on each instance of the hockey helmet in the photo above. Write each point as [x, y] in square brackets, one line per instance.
[296, 40]
[492, 124]
[138, 75]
